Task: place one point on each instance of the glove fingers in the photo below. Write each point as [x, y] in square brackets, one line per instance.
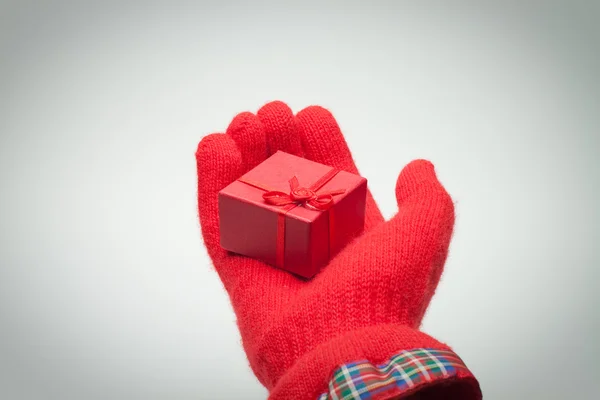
[280, 128]
[322, 139]
[219, 163]
[417, 180]
[323, 142]
[249, 135]
[426, 217]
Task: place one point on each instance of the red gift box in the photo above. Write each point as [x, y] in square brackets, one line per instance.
[292, 213]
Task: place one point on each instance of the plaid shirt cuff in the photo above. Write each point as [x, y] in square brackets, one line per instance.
[405, 372]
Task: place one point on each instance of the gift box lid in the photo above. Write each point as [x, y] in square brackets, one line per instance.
[275, 173]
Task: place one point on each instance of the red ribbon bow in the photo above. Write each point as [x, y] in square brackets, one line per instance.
[302, 196]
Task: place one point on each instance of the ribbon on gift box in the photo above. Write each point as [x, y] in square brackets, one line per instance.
[299, 196]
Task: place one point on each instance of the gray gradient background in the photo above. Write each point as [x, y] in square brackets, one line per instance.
[106, 291]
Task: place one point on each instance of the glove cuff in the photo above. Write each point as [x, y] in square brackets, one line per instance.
[380, 362]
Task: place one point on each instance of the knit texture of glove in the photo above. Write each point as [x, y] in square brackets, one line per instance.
[368, 302]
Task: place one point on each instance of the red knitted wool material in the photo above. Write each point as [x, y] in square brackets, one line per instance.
[368, 302]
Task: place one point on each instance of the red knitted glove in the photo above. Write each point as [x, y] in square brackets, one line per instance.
[352, 329]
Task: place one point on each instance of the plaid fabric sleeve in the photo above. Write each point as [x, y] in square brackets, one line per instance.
[403, 373]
